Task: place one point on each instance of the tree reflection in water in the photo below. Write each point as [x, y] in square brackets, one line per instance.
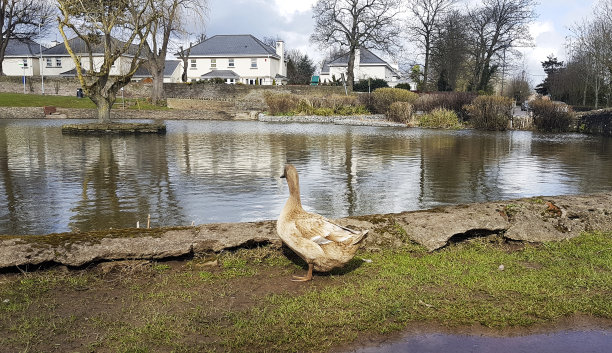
[212, 171]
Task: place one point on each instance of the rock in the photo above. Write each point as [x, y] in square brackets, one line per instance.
[532, 219]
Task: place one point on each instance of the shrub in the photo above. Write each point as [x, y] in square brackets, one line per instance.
[382, 98]
[455, 101]
[400, 112]
[440, 118]
[490, 112]
[291, 104]
[281, 103]
[405, 86]
[375, 83]
[551, 116]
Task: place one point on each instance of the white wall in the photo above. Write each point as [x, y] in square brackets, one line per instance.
[362, 72]
[13, 66]
[267, 68]
[122, 65]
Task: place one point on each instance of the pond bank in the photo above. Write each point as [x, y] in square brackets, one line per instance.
[378, 120]
[537, 219]
[244, 300]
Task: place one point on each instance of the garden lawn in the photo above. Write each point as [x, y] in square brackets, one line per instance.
[36, 100]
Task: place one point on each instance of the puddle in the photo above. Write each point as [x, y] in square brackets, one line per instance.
[591, 341]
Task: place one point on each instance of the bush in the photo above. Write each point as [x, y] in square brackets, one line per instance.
[291, 104]
[551, 116]
[455, 101]
[375, 83]
[440, 118]
[400, 112]
[281, 103]
[382, 98]
[490, 112]
[405, 86]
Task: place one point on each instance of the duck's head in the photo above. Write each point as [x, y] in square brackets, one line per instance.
[290, 172]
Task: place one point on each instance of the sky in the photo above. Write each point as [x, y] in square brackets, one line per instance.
[292, 21]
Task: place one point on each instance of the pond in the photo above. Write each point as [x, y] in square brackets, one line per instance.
[222, 171]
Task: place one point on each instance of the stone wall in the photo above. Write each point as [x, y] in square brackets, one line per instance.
[61, 86]
[21, 113]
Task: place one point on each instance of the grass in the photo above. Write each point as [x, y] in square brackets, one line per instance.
[245, 301]
[36, 100]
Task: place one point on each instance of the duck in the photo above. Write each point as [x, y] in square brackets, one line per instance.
[321, 243]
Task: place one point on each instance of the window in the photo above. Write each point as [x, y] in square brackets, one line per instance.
[25, 63]
[49, 62]
[253, 63]
[193, 64]
[231, 63]
[213, 63]
[58, 62]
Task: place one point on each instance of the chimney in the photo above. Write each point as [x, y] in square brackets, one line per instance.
[280, 51]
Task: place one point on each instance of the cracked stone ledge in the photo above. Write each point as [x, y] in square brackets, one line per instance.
[536, 219]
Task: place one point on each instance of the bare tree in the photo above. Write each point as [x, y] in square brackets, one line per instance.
[355, 24]
[20, 20]
[592, 41]
[97, 24]
[496, 27]
[170, 20]
[424, 24]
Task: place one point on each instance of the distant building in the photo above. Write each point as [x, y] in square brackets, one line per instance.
[367, 65]
[22, 58]
[58, 62]
[237, 59]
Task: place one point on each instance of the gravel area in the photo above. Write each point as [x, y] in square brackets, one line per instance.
[359, 120]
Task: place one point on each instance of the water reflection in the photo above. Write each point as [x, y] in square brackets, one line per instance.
[228, 171]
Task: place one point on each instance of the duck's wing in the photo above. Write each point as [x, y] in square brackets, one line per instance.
[320, 230]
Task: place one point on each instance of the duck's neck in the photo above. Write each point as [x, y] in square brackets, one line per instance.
[294, 200]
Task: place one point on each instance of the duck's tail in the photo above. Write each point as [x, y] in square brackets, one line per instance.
[360, 237]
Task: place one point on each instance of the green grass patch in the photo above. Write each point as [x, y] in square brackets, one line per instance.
[36, 100]
[246, 302]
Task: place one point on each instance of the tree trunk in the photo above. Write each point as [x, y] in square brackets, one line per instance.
[351, 68]
[157, 90]
[104, 105]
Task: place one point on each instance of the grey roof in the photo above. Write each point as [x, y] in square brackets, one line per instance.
[366, 57]
[220, 74]
[233, 45]
[26, 47]
[79, 47]
[168, 70]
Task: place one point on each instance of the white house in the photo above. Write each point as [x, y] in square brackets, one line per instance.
[237, 58]
[367, 65]
[57, 61]
[22, 58]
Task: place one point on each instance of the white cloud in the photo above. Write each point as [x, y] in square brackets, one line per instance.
[289, 9]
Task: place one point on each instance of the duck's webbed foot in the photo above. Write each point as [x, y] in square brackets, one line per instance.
[306, 278]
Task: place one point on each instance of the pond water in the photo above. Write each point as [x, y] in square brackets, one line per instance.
[219, 171]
